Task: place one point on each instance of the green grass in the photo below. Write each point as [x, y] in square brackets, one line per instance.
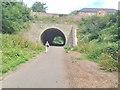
[58, 40]
[94, 51]
[56, 20]
[107, 63]
[67, 48]
[98, 40]
[16, 50]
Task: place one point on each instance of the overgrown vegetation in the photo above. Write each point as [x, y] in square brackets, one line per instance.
[67, 48]
[39, 7]
[98, 40]
[64, 19]
[15, 16]
[58, 40]
[16, 50]
[73, 12]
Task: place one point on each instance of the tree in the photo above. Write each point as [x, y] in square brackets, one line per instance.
[14, 16]
[39, 7]
[94, 25]
[58, 40]
[74, 12]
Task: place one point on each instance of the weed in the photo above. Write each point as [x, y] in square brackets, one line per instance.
[16, 50]
[67, 48]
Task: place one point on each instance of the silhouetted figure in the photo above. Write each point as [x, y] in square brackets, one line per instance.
[47, 45]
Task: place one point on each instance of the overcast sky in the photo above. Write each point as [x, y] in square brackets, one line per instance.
[66, 6]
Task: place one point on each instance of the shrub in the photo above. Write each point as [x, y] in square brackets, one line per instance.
[14, 17]
[97, 35]
[93, 50]
[16, 50]
[67, 48]
[108, 63]
[112, 51]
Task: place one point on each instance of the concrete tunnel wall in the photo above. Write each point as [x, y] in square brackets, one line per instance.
[49, 35]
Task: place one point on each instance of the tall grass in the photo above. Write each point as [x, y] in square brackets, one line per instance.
[103, 53]
[67, 48]
[16, 50]
[56, 20]
[98, 40]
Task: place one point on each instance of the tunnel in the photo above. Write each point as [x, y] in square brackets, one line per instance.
[54, 36]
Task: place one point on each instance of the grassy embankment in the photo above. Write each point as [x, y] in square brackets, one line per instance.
[98, 40]
[64, 19]
[16, 50]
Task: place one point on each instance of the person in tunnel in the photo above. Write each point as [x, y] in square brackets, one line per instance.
[47, 45]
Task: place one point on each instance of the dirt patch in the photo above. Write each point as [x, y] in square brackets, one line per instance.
[86, 74]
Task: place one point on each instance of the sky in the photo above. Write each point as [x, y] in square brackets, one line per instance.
[66, 6]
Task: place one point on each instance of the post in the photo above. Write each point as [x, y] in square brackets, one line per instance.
[74, 37]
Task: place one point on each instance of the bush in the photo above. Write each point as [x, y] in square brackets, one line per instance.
[97, 35]
[14, 16]
[112, 51]
[67, 48]
[94, 51]
[16, 50]
[108, 63]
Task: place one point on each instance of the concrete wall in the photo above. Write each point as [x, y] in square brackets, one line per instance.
[36, 29]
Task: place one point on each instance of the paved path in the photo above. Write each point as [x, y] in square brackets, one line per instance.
[44, 71]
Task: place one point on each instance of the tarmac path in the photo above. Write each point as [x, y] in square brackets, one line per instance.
[46, 70]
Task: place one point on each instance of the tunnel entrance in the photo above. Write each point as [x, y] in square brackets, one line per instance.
[54, 36]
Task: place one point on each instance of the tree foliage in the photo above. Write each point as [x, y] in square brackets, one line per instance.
[58, 40]
[98, 39]
[74, 12]
[119, 24]
[94, 26]
[39, 7]
[16, 50]
[14, 15]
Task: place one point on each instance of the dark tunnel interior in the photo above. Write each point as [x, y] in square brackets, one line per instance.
[50, 34]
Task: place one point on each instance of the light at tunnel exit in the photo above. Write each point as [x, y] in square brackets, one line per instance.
[54, 36]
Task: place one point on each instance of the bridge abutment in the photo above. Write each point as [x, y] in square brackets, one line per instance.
[37, 29]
